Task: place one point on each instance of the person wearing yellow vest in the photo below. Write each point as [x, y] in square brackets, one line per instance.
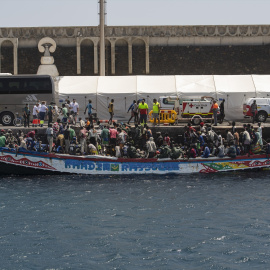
[143, 107]
[215, 109]
[111, 111]
[156, 110]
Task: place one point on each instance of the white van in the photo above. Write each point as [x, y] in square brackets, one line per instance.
[263, 105]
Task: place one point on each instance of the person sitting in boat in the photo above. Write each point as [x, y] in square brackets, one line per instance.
[232, 151]
[56, 128]
[105, 135]
[190, 128]
[132, 152]
[202, 128]
[165, 152]
[198, 147]
[167, 140]
[221, 152]
[2, 140]
[30, 142]
[192, 153]
[267, 147]
[60, 141]
[118, 151]
[246, 141]
[23, 143]
[92, 149]
[125, 148]
[193, 136]
[159, 140]
[83, 135]
[121, 138]
[49, 133]
[176, 152]
[201, 139]
[213, 150]
[206, 151]
[113, 136]
[151, 147]
[11, 141]
[137, 133]
[73, 147]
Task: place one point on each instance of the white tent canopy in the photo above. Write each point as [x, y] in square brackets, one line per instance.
[262, 85]
[124, 89]
[192, 85]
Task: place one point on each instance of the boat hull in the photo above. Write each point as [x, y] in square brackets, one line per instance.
[33, 163]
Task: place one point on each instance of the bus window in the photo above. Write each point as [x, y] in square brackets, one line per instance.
[40, 86]
[14, 87]
[26, 86]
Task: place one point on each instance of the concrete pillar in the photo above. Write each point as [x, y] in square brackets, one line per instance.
[79, 68]
[130, 58]
[113, 56]
[147, 62]
[15, 57]
[95, 58]
[102, 38]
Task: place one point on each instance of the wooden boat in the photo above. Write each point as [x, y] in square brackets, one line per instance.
[20, 162]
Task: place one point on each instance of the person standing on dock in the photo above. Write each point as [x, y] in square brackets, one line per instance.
[143, 107]
[222, 112]
[132, 107]
[42, 111]
[74, 110]
[35, 115]
[156, 111]
[215, 109]
[254, 109]
[26, 115]
[89, 107]
[111, 111]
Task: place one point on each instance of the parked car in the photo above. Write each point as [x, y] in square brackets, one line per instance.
[263, 106]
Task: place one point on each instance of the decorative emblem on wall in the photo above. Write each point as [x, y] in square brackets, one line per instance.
[47, 46]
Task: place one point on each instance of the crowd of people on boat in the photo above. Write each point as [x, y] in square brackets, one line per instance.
[122, 140]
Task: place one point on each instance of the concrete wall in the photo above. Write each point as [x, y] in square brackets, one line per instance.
[172, 49]
[168, 60]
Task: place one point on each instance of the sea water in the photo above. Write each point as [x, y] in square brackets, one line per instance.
[216, 221]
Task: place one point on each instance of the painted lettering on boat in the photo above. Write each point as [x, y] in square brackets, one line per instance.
[117, 166]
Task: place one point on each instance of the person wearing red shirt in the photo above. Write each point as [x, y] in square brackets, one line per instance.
[143, 107]
[113, 136]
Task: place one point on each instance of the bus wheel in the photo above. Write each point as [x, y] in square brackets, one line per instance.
[7, 118]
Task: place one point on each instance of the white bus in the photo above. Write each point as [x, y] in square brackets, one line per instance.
[16, 91]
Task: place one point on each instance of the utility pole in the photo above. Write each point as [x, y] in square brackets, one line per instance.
[102, 38]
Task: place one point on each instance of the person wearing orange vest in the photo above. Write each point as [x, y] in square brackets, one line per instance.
[215, 109]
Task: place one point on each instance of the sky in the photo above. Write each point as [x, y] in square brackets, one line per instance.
[34, 13]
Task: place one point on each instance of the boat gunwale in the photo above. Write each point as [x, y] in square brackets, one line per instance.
[140, 160]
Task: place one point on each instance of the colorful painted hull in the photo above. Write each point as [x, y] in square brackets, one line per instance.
[12, 162]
